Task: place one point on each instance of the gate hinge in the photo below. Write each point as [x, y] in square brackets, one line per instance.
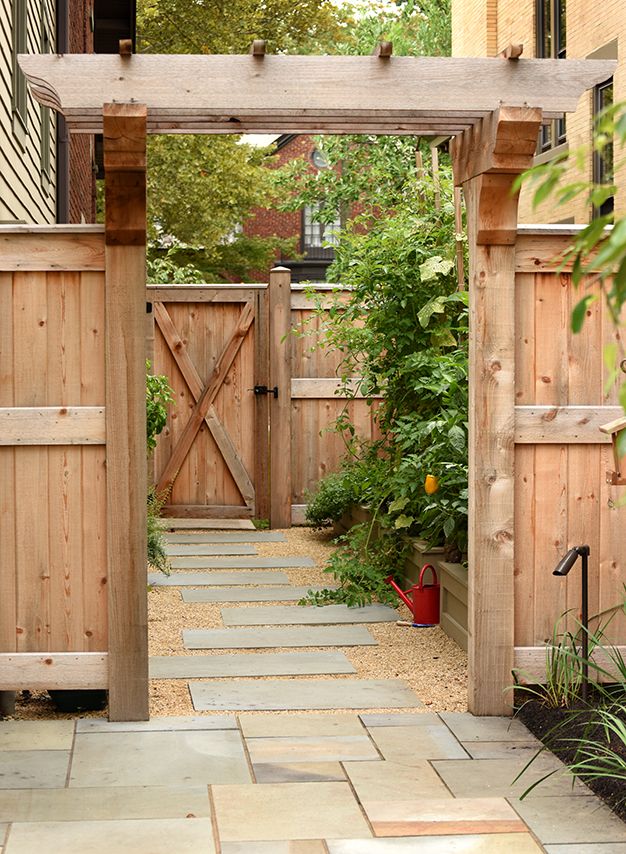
[263, 389]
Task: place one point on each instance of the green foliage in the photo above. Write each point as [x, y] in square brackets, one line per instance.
[157, 557]
[596, 254]
[361, 564]
[159, 394]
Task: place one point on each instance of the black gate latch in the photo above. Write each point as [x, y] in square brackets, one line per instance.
[263, 389]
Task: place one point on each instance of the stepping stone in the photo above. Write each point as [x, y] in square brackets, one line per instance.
[268, 638]
[228, 537]
[215, 579]
[241, 562]
[281, 615]
[208, 524]
[248, 594]
[214, 549]
[264, 664]
[283, 694]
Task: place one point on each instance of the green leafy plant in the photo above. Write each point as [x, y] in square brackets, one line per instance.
[159, 394]
[360, 565]
[157, 557]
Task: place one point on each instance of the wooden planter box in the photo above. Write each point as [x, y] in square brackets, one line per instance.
[452, 576]
[453, 615]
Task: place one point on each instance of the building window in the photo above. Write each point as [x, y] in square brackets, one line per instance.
[551, 39]
[318, 238]
[19, 46]
[603, 171]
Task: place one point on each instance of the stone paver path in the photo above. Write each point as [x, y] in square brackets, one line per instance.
[214, 579]
[288, 782]
[249, 594]
[210, 549]
[285, 784]
[241, 563]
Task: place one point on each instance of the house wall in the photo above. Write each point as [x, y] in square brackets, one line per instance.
[590, 27]
[26, 193]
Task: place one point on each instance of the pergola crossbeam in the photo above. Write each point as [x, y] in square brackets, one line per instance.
[344, 94]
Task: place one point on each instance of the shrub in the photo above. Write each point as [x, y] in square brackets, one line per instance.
[157, 557]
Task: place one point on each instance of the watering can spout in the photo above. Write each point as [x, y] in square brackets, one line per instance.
[400, 592]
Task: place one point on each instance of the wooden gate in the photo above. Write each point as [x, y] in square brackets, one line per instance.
[205, 341]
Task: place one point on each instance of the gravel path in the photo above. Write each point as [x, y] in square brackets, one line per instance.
[433, 665]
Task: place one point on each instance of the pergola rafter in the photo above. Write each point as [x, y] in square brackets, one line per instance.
[429, 96]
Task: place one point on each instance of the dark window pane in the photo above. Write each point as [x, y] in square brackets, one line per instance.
[561, 29]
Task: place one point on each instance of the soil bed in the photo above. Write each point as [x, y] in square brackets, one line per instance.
[541, 721]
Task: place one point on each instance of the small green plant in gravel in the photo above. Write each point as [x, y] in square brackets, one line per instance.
[159, 395]
[157, 557]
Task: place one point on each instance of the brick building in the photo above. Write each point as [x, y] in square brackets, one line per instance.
[576, 29]
[312, 238]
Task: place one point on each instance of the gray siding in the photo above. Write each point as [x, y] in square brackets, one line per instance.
[25, 195]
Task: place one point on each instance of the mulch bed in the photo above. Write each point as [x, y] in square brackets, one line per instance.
[541, 720]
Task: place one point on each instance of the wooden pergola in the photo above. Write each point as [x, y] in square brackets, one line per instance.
[492, 107]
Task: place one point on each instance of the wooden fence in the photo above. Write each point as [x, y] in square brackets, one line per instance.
[562, 497]
[63, 621]
[226, 450]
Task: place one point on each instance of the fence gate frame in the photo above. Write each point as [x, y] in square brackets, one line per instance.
[495, 135]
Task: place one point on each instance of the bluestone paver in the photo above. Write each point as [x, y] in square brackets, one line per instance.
[287, 811]
[298, 772]
[36, 735]
[33, 769]
[158, 724]
[268, 726]
[266, 638]
[470, 728]
[570, 819]
[246, 695]
[588, 848]
[210, 549]
[426, 742]
[207, 524]
[294, 615]
[158, 758]
[242, 562]
[434, 816]
[263, 664]
[497, 775]
[249, 594]
[311, 748]
[390, 781]
[493, 843]
[215, 579]
[157, 836]
[374, 719]
[292, 846]
[227, 537]
[501, 749]
[101, 803]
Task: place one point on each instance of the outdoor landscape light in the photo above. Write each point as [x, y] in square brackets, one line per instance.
[561, 569]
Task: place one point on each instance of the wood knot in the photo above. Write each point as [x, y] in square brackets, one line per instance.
[63, 410]
[48, 661]
[546, 380]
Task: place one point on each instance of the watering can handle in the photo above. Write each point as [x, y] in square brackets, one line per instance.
[432, 569]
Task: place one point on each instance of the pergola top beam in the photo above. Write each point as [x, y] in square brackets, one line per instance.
[200, 92]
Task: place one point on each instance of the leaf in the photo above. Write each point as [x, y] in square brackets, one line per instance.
[404, 521]
[580, 312]
[433, 267]
[620, 444]
[436, 305]
[457, 438]
[398, 504]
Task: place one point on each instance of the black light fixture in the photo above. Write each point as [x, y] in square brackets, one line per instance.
[561, 569]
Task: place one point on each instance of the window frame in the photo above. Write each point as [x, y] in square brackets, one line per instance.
[19, 43]
[551, 43]
[600, 173]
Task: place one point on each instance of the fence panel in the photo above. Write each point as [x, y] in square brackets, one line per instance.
[316, 448]
[53, 501]
[562, 498]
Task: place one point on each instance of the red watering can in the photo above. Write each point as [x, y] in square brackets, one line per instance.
[424, 598]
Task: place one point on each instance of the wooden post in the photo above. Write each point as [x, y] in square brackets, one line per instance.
[280, 407]
[124, 128]
[262, 407]
[486, 161]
